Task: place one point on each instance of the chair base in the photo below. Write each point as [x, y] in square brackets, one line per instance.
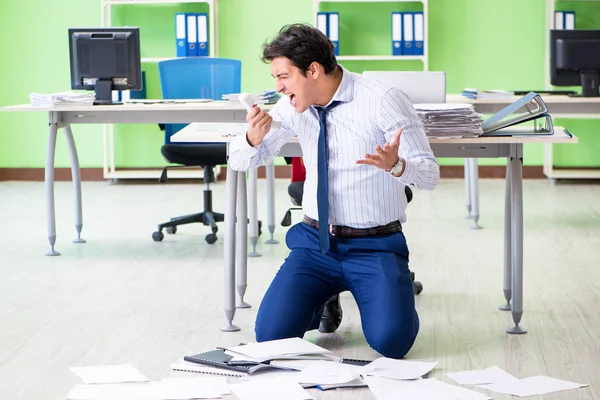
[205, 218]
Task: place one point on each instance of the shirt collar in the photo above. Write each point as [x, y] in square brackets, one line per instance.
[345, 92]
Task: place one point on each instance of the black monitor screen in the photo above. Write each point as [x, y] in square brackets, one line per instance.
[105, 59]
[575, 59]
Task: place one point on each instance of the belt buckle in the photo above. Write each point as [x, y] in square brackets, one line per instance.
[331, 229]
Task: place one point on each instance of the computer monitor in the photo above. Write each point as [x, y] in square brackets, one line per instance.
[105, 59]
[575, 60]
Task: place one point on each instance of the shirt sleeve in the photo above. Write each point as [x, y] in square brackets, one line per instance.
[422, 169]
[243, 156]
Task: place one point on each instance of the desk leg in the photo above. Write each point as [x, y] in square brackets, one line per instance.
[516, 191]
[507, 239]
[252, 210]
[271, 201]
[467, 169]
[229, 248]
[474, 185]
[49, 179]
[76, 174]
[241, 252]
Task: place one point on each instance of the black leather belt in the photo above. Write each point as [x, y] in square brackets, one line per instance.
[348, 232]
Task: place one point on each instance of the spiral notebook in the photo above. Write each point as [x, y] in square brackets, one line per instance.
[206, 370]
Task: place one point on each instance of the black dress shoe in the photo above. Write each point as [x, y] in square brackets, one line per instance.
[332, 315]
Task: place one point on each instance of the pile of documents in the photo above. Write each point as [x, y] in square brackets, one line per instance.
[63, 98]
[447, 120]
[264, 97]
[487, 94]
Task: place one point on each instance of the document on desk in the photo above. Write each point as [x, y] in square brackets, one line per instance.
[422, 389]
[444, 120]
[109, 374]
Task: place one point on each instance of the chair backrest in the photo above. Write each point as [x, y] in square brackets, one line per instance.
[419, 86]
[197, 78]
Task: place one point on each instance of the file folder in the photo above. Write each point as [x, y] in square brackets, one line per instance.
[569, 20]
[333, 28]
[559, 20]
[192, 35]
[180, 35]
[408, 34]
[397, 44]
[322, 21]
[418, 49]
[202, 45]
[527, 108]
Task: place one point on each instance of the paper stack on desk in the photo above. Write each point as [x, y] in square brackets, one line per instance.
[63, 98]
[264, 97]
[445, 120]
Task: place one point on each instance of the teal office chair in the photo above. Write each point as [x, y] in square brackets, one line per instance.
[196, 78]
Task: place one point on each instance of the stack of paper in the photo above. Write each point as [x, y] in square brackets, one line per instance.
[63, 98]
[292, 348]
[445, 120]
[264, 97]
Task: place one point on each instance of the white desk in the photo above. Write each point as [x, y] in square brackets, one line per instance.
[558, 107]
[504, 147]
[65, 116]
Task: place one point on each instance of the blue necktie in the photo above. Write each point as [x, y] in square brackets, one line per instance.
[322, 183]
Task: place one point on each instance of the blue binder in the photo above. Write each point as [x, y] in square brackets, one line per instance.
[333, 31]
[191, 35]
[419, 28]
[569, 19]
[180, 35]
[397, 43]
[408, 34]
[202, 25]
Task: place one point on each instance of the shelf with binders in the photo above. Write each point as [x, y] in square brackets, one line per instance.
[366, 29]
[157, 23]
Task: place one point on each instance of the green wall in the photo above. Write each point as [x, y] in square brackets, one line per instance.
[488, 44]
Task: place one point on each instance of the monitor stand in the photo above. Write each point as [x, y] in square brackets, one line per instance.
[104, 92]
[589, 83]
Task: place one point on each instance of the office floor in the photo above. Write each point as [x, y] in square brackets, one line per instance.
[122, 298]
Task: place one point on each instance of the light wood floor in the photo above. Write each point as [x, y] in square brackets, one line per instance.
[121, 298]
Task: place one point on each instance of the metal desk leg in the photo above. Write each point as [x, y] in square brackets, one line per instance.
[474, 185]
[229, 248]
[507, 240]
[76, 174]
[467, 169]
[271, 201]
[253, 207]
[516, 165]
[242, 241]
[49, 179]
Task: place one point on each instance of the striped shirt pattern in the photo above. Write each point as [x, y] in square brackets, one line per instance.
[360, 196]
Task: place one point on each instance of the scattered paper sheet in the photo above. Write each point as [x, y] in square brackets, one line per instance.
[532, 386]
[190, 388]
[109, 374]
[477, 377]
[269, 390]
[422, 389]
[122, 391]
[399, 369]
[278, 348]
[330, 373]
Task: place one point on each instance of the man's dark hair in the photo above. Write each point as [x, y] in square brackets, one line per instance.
[303, 45]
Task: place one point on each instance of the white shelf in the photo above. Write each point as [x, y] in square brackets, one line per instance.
[573, 174]
[371, 1]
[113, 2]
[379, 58]
[173, 173]
[156, 59]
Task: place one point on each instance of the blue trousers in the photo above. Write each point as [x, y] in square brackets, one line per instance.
[374, 269]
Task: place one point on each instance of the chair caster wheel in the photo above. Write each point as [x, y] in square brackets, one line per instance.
[211, 238]
[171, 230]
[158, 236]
[417, 287]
